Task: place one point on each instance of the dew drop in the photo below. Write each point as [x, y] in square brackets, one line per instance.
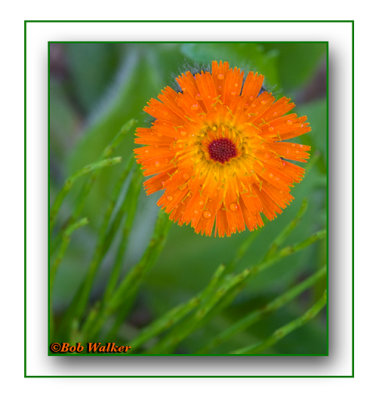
[198, 96]
[207, 214]
[233, 93]
[194, 106]
[233, 207]
[169, 198]
[185, 176]
[289, 122]
[196, 212]
[263, 102]
[201, 203]
[220, 76]
[271, 129]
[183, 133]
[157, 163]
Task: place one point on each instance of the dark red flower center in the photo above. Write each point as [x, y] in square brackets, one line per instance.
[222, 150]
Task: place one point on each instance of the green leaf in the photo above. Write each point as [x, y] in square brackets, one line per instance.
[92, 67]
[247, 56]
[298, 62]
[316, 112]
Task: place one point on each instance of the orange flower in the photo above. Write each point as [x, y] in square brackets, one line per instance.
[217, 151]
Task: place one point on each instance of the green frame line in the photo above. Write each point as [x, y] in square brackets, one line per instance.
[25, 195]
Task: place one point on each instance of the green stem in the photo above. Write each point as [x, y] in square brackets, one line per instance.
[129, 286]
[116, 141]
[107, 232]
[286, 231]
[241, 251]
[66, 238]
[231, 295]
[167, 344]
[130, 209]
[71, 180]
[122, 299]
[108, 151]
[178, 313]
[285, 330]
[127, 213]
[257, 315]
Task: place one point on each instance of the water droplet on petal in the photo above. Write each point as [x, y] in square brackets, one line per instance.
[289, 122]
[169, 198]
[207, 214]
[194, 106]
[271, 129]
[157, 163]
[233, 207]
[220, 76]
[201, 203]
[183, 133]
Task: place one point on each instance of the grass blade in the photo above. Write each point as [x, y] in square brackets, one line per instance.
[72, 179]
[229, 283]
[122, 299]
[105, 236]
[257, 315]
[176, 314]
[66, 238]
[285, 330]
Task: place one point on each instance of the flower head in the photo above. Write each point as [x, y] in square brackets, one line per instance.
[217, 150]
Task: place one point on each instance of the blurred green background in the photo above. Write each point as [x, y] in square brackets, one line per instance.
[94, 89]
